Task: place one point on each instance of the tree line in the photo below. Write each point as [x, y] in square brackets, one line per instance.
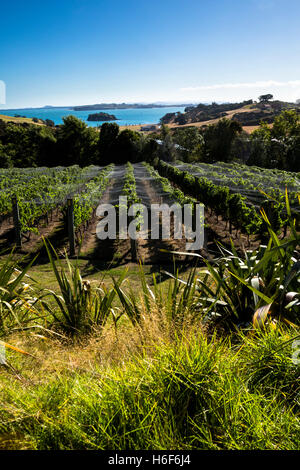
[73, 142]
[269, 146]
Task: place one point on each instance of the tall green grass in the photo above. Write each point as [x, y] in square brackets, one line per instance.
[178, 301]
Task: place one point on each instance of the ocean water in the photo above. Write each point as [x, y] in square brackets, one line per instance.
[125, 116]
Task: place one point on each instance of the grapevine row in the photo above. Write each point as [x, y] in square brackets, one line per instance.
[251, 182]
[232, 206]
[174, 193]
[86, 201]
[43, 192]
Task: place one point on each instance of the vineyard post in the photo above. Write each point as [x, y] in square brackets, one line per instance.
[194, 219]
[17, 223]
[71, 233]
[133, 243]
[202, 224]
[161, 201]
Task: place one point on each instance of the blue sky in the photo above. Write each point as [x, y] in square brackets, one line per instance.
[83, 52]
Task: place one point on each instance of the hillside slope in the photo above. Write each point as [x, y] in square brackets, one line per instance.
[20, 120]
[248, 113]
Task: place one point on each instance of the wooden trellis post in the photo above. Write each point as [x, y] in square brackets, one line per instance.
[17, 223]
[133, 243]
[71, 232]
[194, 225]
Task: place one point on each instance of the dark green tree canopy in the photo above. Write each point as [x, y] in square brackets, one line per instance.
[278, 146]
[76, 142]
[218, 139]
[109, 132]
[265, 98]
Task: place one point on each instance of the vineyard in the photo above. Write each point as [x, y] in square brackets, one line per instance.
[34, 203]
[40, 191]
[239, 193]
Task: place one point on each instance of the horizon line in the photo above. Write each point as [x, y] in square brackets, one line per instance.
[167, 103]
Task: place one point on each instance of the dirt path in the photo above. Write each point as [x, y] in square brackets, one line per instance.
[148, 250]
[120, 251]
[101, 250]
[6, 232]
[113, 251]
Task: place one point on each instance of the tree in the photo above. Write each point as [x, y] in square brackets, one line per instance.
[264, 132]
[25, 145]
[279, 146]
[149, 150]
[164, 131]
[46, 148]
[192, 142]
[181, 119]
[76, 142]
[5, 159]
[166, 149]
[265, 98]
[107, 142]
[127, 147]
[218, 139]
[286, 125]
[293, 154]
[286, 130]
[260, 146]
[241, 148]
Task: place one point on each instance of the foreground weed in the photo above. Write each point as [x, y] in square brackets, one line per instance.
[81, 307]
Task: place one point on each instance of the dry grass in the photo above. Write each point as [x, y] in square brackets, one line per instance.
[151, 389]
[53, 356]
[19, 120]
[250, 129]
[246, 109]
[229, 115]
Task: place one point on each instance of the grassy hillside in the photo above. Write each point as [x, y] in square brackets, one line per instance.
[249, 114]
[20, 120]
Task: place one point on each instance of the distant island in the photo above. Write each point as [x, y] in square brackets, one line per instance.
[102, 117]
[100, 106]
